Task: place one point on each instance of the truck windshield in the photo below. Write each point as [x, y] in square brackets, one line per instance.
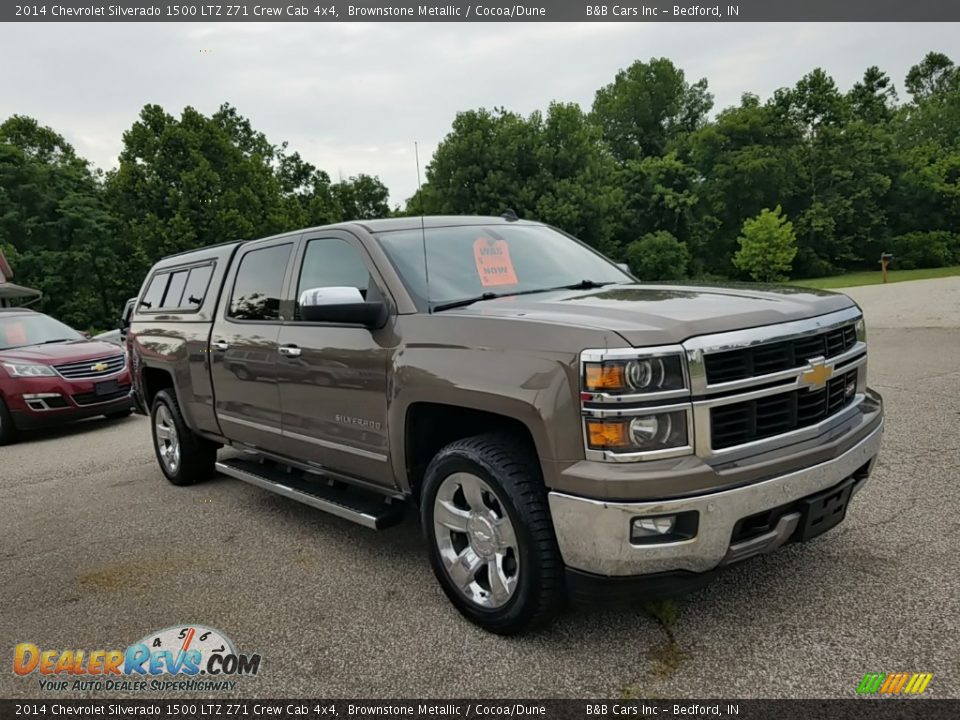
[476, 260]
[33, 329]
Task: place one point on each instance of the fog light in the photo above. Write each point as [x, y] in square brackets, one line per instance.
[653, 526]
[654, 529]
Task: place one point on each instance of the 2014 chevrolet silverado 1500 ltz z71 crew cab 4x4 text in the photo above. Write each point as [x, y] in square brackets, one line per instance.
[561, 428]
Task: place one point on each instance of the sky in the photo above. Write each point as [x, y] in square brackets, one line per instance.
[354, 97]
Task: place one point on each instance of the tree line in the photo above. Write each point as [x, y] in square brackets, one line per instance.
[812, 181]
[648, 177]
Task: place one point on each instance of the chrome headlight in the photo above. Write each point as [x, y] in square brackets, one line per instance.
[28, 371]
[616, 373]
[861, 328]
[618, 389]
[649, 432]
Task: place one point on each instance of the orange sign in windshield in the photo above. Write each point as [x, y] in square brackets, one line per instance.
[14, 333]
[493, 262]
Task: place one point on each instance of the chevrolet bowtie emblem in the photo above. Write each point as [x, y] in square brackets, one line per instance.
[99, 367]
[816, 374]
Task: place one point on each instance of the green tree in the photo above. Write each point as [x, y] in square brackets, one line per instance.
[361, 198]
[926, 249]
[554, 169]
[767, 246]
[934, 75]
[55, 224]
[660, 193]
[193, 181]
[873, 99]
[483, 166]
[746, 160]
[649, 105]
[926, 193]
[658, 256]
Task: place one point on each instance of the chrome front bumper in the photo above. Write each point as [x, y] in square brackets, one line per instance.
[594, 535]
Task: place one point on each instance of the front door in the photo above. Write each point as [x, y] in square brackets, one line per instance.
[243, 347]
[333, 377]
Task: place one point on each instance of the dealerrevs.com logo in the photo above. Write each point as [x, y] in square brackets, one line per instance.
[182, 657]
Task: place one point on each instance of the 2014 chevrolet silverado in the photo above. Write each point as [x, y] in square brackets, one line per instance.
[560, 427]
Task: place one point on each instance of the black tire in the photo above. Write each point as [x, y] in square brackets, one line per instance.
[510, 469]
[8, 431]
[119, 415]
[196, 454]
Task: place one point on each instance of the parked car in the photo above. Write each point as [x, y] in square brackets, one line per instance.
[118, 336]
[560, 428]
[51, 374]
[110, 336]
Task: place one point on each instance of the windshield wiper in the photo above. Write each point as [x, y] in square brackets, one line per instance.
[469, 301]
[47, 342]
[582, 285]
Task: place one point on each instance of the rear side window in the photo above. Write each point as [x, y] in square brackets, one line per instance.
[196, 288]
[175, 289]
[259, 283]
[182, 290]
[154, 294]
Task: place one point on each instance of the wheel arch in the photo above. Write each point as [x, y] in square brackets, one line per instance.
[429, 426]
[153, 380]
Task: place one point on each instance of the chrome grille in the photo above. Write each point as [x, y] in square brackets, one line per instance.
[760, 388]
[748, 362]
[765, 417]
[91, 369]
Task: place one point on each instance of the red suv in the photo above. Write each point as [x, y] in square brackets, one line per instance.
[50, 374]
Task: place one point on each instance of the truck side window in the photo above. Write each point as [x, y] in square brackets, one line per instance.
[175, 290]
[332, 262]
[257, 289]
[196, 289]
[154, 294]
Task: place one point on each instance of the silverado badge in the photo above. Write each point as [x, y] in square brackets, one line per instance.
[816, 374]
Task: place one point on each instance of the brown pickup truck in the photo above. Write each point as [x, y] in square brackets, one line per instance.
[561, 428]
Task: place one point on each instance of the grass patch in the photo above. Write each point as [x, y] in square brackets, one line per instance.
[874, 277]
[667, 659]
[666, 612]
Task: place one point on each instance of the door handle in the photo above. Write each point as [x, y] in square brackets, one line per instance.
[290, 351]
[220, 345]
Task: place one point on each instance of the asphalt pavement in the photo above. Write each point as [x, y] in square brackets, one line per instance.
[98, 549]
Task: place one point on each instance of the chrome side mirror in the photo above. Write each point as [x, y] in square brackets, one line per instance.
[340, 305]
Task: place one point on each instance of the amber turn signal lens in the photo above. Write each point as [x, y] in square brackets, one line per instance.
[604, 377]
[606, 435]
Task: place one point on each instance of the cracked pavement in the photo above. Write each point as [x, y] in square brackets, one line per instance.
[98, 549]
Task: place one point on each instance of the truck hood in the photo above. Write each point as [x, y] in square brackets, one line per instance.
[57, 353]
[664, 314]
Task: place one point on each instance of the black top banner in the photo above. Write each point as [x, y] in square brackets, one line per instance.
[536, 11]
[304, 709]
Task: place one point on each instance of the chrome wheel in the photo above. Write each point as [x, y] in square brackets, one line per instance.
[167, 439]
[476, 540]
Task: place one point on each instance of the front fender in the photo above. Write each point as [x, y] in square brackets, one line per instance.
[536, 389]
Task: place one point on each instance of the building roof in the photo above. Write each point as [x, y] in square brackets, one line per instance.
[9, 291]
